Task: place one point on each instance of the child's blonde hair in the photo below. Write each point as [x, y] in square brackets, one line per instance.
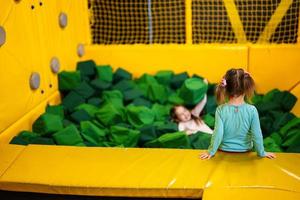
[237, 82]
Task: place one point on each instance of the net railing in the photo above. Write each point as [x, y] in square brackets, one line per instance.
[209, 21]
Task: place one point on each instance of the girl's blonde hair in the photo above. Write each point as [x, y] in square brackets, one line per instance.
[238, 82]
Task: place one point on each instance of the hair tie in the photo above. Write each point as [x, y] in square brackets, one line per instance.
[246, 73]
[223, 82]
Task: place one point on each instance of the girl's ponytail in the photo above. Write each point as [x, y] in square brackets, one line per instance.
[221, 91]
[249, 86]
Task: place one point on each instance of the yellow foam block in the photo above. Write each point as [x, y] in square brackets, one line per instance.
[145, 172]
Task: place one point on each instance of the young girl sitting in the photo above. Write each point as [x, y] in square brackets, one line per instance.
[190, 121]
[237, 126]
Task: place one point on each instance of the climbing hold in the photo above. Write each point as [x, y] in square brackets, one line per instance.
[80, 50]
[34, 81]
[54, 65]
[63, 20]
[2, 36]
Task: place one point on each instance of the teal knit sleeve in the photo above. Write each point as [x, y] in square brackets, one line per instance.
[217, 135]
[256, 133]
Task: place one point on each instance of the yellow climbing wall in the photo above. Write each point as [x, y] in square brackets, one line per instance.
[33, 38]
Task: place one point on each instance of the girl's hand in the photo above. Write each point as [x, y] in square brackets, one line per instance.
[204, 156]
[189, 132]
[270, 155]
[205, 81]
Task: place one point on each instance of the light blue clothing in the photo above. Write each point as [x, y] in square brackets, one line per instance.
[237, 129]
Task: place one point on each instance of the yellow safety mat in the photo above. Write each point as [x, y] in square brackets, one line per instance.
[8, 153]
[146, 172]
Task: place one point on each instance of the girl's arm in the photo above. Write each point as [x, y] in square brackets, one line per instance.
[257, 134]
[217, 136]
[199, 107]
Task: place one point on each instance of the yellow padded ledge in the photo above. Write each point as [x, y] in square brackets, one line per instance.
[247, 174]
[143, 172]
[8, 154]
[249, 193]
[108, 171]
